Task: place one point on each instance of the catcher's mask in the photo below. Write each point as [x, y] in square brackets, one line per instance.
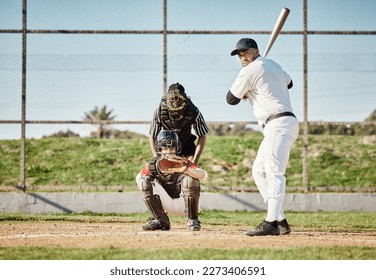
[168, 139]
[176, 99]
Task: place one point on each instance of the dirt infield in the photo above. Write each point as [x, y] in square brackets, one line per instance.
[129, 235]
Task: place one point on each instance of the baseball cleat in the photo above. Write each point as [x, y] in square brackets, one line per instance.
[194, 224]
[284, 227]
[156, 225]
[265, 228]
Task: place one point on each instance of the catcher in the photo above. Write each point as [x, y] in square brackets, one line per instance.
[170, 184]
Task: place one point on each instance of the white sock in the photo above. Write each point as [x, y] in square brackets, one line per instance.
[274, 209]
[281, 215]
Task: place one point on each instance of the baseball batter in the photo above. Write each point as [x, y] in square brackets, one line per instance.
[266, 85]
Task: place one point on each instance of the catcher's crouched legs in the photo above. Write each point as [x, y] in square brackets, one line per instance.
[191, 191]
[154, 204]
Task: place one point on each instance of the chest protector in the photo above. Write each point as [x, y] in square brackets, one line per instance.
[170, 182]
[182, 126]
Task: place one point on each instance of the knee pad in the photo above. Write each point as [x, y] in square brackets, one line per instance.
[190, 186]
[145, 186]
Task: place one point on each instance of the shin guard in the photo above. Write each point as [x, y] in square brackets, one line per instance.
[154, 205]
[191, 190]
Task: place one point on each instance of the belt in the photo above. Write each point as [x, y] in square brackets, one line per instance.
[283, 114]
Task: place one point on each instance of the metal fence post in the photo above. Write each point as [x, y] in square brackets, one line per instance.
[305, 123]
[164, 47]
[23, 113]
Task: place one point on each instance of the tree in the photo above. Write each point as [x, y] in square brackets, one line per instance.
[371, 117]
[99, 114]
[62, 134]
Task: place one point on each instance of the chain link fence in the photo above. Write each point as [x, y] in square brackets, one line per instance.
[61, 59]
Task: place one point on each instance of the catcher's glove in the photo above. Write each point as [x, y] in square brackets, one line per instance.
[171, 163]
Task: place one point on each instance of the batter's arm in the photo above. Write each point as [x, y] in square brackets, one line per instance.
[232, 99]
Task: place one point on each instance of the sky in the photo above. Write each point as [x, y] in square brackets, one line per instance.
[69, 74]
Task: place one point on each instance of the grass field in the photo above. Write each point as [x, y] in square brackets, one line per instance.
[86, 164]
[339, 163]
[88, 236]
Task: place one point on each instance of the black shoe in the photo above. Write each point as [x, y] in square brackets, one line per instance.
[284, 227]
[194, 224]
[156, 225]
[265, 228]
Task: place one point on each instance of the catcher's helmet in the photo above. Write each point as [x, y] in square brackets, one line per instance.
[168, 139]
[176, 99]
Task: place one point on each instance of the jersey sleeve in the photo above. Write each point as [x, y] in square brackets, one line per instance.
[145, 170]
[288, 78]
[200, 126]
[241, 84]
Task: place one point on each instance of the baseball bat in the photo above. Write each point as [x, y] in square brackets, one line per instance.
[277, 29]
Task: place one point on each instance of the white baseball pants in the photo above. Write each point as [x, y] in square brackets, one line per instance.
[172, 206]
[270, 164]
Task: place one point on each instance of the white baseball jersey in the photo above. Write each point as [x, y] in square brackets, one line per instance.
[267, 84]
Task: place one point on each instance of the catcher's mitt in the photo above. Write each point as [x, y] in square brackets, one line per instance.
[172, 164]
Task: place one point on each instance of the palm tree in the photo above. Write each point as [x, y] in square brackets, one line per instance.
[371, 117]
[99, 114]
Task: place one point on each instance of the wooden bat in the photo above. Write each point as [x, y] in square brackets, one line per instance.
[277, 29]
